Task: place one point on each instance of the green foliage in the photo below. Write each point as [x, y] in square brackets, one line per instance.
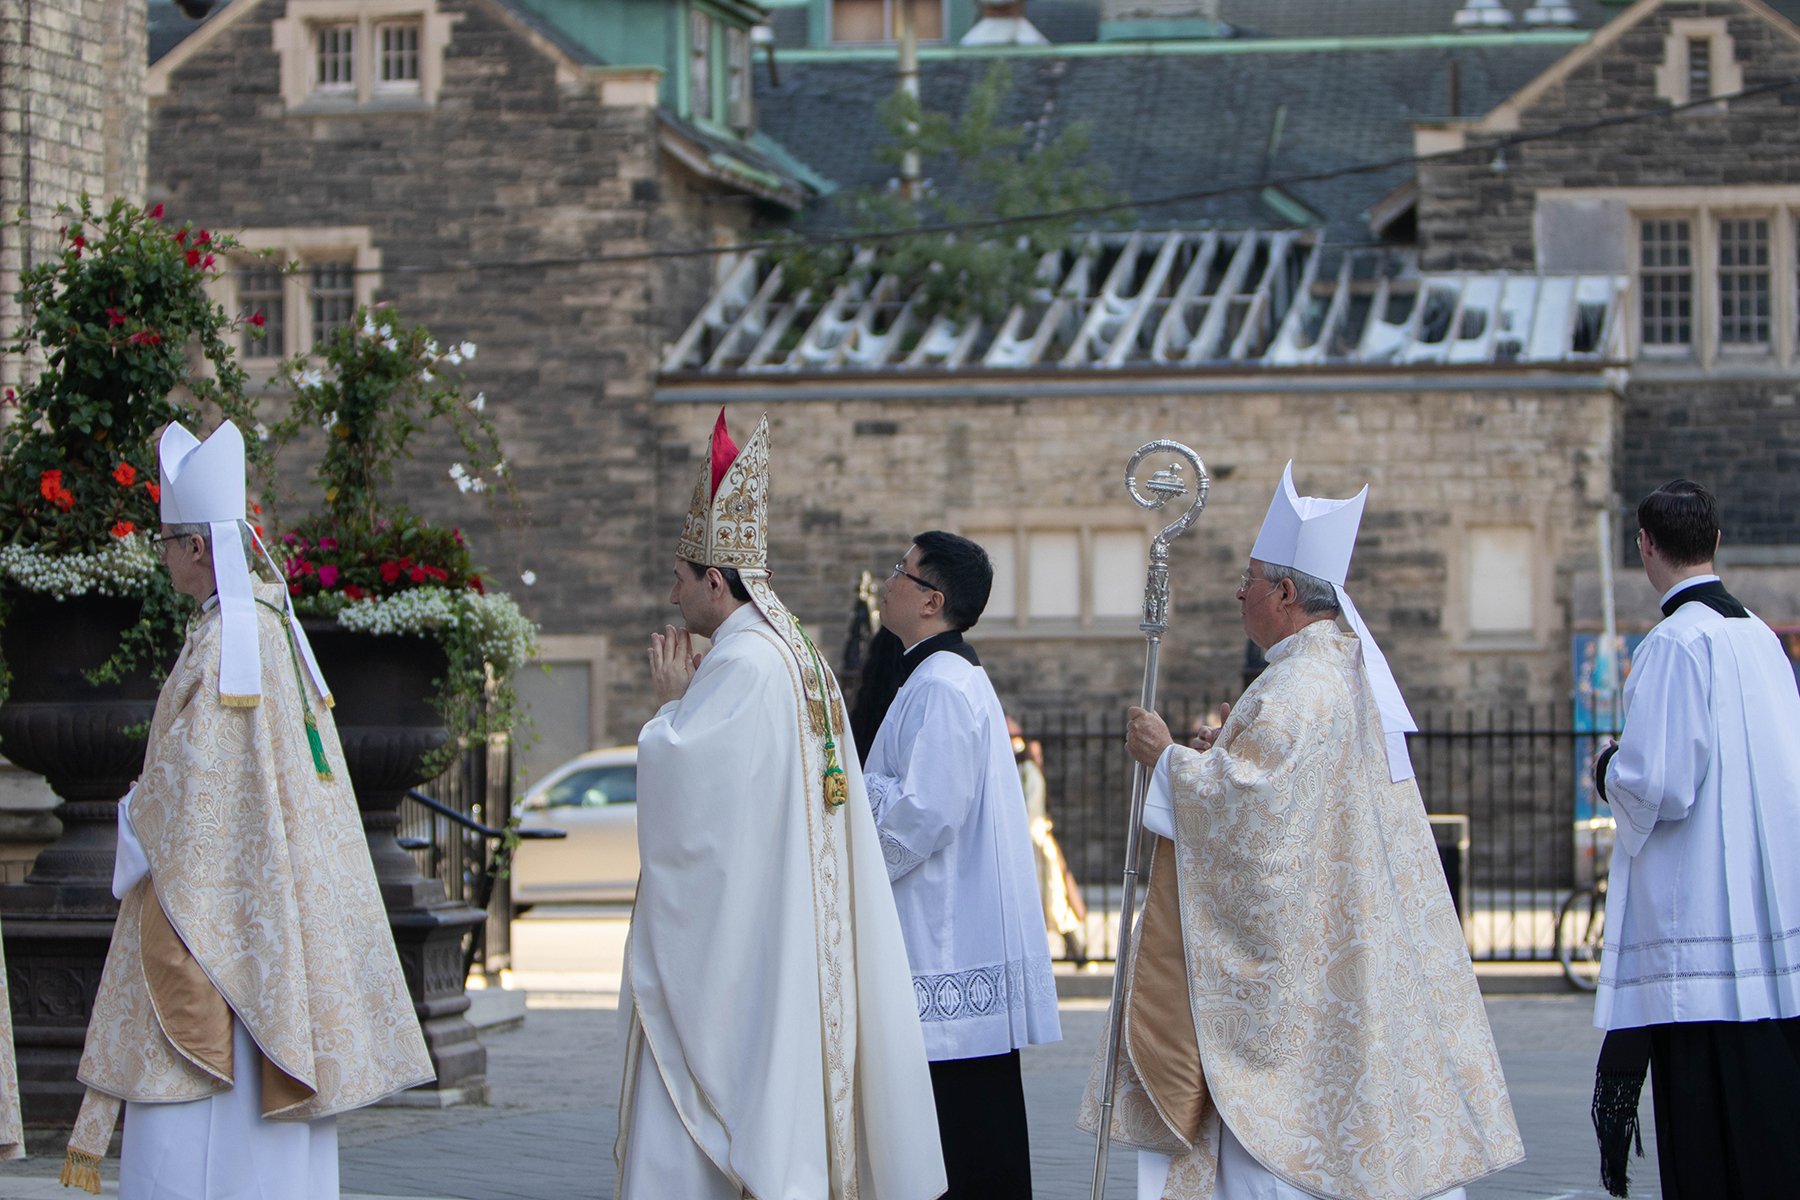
[369, 561]
[130, 339]
[983, 170]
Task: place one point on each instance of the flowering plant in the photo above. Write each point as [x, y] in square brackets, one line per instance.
[127, 338]
[368, 561]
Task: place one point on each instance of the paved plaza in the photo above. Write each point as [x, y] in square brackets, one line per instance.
[547, 1135]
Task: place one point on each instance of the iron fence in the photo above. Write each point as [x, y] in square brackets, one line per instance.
[477, 785]
[1520, 776]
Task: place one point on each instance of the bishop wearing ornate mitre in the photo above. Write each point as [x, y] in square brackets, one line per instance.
[252, 991]
[772, 1044]
[1301, 1018]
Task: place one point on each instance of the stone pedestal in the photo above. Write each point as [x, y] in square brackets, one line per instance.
[382, 685]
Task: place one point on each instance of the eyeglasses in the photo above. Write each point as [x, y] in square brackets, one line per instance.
[900, 569]
[159, 540]
[1246, 579]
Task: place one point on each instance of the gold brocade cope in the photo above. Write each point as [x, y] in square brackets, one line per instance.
[1335, 1019]
[260, 905]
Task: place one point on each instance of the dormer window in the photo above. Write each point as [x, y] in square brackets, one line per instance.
[351, 55]
[864, 21]
[717, 81]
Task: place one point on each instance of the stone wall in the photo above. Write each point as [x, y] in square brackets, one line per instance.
[71, 121]
[854, 480]
[1473, 216]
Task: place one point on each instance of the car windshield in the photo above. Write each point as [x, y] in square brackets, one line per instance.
[594, 787]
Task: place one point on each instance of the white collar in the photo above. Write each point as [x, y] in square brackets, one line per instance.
[1685, 584]
[741, 618]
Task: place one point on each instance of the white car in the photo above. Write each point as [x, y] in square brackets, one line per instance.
[593, 799]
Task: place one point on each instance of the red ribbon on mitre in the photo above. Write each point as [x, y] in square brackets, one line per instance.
[724, 452]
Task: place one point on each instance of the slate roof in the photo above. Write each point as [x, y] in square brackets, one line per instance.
[1167, 124]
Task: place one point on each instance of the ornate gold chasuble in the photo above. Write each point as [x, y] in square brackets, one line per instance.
[261, 904]
[1299, 968]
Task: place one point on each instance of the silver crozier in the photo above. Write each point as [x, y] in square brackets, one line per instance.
[1164, 486]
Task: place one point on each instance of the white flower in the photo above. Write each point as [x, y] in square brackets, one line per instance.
[457, 471]
[387, 331]
[431, 350]
[528, 578]
[499, 468]
[507, 639]
[329, 420]
[478, 484]
[464, 484]
[467, 349]
[261, 431]
[311, 378]
[390, 343]
[426, 376]
[368, 327]
[453, 358]
[479, 402]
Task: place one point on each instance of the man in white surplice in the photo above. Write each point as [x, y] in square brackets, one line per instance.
[1301, 1016]
[955, 833]
[771, 1046]
[1700, 982]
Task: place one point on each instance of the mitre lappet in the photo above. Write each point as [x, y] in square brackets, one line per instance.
[728, 526]
[1316, 535]
[203, 484]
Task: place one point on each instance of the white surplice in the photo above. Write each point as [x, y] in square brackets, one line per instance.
[1703, 905]
[770, 1030]
[219, 1147]
[956, 837]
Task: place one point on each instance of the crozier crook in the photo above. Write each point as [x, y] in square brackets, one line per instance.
[1164, 486]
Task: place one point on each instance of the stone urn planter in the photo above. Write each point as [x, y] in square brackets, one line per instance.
[87, 740]
[382, 685]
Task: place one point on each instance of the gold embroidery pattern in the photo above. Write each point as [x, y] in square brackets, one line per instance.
[730, 528]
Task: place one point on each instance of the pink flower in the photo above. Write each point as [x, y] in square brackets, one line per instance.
[328, 543]
[328, 576]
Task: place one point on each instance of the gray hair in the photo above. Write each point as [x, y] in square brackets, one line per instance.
[1314, 595]
[201, 529]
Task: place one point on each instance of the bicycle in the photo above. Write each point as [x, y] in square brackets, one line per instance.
[1581, 922]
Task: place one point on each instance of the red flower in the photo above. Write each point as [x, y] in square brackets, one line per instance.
[145, 337]
[206, 263]
[475, 582]
[155, 214]
[123, 529]
[181, 238]
[256, 508]
[436, 574]
[256, 319]
[259, 530]
[12, 397]
[50, 487]
[390, 572]
[293, 589]
[193, 258]
[201, 238]
[353, 592]
[124, 474]
[78, 241]
[417, 574]
[155, 490]
[114, 317]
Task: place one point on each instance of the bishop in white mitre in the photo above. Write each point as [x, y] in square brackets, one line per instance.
[1301, 1018]
[772, 1045]
[252, 991]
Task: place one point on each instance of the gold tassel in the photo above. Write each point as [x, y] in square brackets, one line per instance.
[320, 763]
[837, 787]
[81, 1170]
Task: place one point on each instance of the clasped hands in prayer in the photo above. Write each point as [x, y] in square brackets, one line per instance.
[672, 664]
[1147, 735]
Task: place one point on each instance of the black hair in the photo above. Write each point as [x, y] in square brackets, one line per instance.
[960, 569]
[734, 583]
[1682, 518]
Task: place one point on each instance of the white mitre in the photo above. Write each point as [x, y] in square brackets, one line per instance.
[203, 484]
[1316, 536]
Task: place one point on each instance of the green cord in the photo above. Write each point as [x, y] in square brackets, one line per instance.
[320, 763]
[837, 786]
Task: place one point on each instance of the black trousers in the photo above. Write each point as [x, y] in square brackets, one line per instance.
[981, 1122]
[1727, 1099]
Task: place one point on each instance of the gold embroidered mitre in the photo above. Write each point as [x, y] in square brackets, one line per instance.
[728, 522]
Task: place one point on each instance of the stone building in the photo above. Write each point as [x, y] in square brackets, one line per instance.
[1291, 283]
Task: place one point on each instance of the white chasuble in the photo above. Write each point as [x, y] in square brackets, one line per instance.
[1703, 908]
[1299, 978]
[257, 909]
[766, 994]
[12, 1134]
